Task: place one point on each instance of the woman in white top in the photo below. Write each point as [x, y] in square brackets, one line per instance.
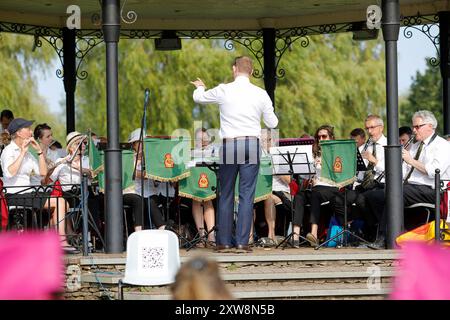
[19, 165]
[203, 212]
[67, 172]
[133, 197]
[321, 191]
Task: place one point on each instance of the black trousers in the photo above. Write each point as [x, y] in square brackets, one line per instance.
[412, 194]
[134, 201]
[321, 194]
[299, 206]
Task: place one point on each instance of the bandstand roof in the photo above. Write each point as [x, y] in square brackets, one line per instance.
[208, 14]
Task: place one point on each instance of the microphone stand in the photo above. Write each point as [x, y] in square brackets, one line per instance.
[84, 200]
[141, 144]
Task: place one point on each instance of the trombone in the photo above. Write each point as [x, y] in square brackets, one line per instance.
[382, 174]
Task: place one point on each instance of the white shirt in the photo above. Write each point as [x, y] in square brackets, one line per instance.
[162, 189]
[379, 145]
[435, 155]
[150, 187]
[278, 184]
[67, 174]
[28, 168]
[241, 106]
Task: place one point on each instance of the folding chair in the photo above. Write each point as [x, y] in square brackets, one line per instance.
[153, 258]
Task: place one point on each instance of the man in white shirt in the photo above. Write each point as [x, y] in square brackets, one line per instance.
[242, 105]
[430, 152]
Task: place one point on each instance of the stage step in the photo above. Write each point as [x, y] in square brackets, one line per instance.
[263, 274]
[315, 291]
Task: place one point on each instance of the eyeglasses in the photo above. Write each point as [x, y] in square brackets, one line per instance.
[373, 127]
[417, 127]
[323, 136]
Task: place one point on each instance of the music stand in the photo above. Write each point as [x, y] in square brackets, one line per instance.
[360, 166]
[291, 170]
[214, 167]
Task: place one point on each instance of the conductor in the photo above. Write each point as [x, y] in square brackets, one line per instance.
[242, 105]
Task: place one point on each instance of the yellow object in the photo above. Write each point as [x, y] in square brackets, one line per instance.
[424, 233]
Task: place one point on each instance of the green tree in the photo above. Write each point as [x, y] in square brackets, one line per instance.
[334, 80]
[425, 94]
[19, 66]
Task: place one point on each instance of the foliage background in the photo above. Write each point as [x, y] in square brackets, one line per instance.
[334, 80]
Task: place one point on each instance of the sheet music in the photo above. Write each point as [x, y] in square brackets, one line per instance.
[303, 162]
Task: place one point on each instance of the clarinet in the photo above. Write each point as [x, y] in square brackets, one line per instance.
[368, 142]
[382, 174]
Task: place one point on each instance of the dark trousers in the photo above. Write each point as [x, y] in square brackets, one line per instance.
[134, 201]
[299, 206]
[321, 194]
[412, 193]
[237, 156]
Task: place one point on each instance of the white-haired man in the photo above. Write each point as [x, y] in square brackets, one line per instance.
[430, 152]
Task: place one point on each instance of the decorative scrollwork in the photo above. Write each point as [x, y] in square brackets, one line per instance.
[131, 15]
[427, 25]
[82, 48]
[253, 43]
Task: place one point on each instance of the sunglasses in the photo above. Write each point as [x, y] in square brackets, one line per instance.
[323, 136]
[417, 127]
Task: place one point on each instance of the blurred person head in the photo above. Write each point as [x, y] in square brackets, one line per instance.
[202, 138]
[134, 138]
[20, 129]
[43, 134]
[404, 134]
[6, 116]
[359, 136]
[73, 140]
[242, 66]
[199, 279]
[325, 132]
[374, 127]
[424, 124]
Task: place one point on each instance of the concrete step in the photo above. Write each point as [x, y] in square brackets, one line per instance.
[314, 291]
[263, 273]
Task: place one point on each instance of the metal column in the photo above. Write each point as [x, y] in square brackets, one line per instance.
[444, 44]
[70, 76]
[270, 79]
[394, 186]
[113, 155]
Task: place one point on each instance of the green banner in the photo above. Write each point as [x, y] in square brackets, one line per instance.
[127, 171]
[165, 159]
[199, 185]
[95, 158]
[338, 162]
[264, 182]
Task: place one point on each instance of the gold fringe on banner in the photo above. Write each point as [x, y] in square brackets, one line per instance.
[163, 179]
[190, 196]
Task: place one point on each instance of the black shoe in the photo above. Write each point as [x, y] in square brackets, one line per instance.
[221, 248]
[241, 248]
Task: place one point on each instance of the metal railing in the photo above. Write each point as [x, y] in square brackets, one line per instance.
[37, 207]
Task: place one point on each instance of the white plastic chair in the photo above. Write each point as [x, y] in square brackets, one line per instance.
[153, 258]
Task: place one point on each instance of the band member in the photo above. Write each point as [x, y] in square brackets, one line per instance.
[19, 165]
[242, 105]
[430, 152]
[321, 191]
[203, 211]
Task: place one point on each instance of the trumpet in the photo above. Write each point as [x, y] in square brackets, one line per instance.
[406, 145]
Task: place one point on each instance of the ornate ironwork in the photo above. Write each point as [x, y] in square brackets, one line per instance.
[83, 45]
[131, 15]
[429, 26]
